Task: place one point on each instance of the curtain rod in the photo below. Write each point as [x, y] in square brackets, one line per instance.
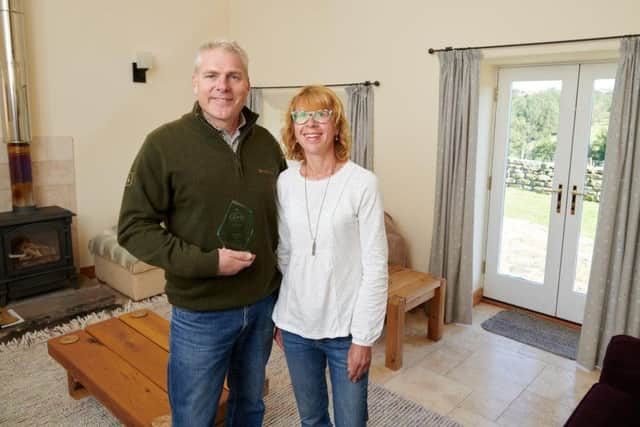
[495, 46]
[366, 83]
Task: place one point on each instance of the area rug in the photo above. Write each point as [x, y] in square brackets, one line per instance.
[385, 409]
[33, 387]
[540, 333]
[30, 338]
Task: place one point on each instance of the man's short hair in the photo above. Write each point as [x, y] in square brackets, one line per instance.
[228, 45]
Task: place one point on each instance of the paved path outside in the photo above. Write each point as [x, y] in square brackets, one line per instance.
[524, 251]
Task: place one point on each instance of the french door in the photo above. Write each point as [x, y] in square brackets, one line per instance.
[550, 142]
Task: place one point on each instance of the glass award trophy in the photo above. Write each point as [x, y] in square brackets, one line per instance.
[236, 230]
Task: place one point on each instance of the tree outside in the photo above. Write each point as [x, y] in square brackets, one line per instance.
[534, 124]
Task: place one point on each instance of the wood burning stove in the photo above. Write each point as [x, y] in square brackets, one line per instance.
[36, 252]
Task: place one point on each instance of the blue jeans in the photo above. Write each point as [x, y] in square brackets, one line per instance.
[307, 360]
[204, 346]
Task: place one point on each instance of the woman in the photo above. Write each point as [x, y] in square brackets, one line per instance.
[333, 255]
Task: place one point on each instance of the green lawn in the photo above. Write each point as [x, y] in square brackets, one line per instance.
[534, 207]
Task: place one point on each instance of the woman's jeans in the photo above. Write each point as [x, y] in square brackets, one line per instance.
[307, 360]
[204, 347]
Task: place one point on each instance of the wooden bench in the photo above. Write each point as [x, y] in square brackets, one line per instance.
[407, 290]
[122, 362]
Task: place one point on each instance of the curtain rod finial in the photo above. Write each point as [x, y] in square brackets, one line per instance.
[432, 51]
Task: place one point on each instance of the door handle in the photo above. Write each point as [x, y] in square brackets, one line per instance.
[574, 194]
[559, 197]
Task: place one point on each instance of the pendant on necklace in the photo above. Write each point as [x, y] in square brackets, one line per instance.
[313, 248]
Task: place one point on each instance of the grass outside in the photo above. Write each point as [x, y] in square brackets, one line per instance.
[534, 207]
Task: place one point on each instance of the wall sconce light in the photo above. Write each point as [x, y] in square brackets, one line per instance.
[143, 62]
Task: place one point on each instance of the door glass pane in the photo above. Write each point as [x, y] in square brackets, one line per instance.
[600, 110]
[533, 130]
[33, 245]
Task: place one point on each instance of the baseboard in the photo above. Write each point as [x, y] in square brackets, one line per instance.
[477, 296]
[89, 271]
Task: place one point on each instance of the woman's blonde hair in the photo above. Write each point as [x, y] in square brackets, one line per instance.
[312, 98]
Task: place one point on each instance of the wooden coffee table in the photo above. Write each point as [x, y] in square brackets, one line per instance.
[122, 362]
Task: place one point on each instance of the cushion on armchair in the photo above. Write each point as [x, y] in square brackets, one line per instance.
[398, 250]
[115, 266]
[615, 399]
[621, 365]
[106, 245]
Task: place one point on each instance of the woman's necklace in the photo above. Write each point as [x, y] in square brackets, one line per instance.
[306, 201]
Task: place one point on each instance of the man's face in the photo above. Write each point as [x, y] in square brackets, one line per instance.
[221, 85]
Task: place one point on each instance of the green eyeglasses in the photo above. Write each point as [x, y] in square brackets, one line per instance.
[302, 117]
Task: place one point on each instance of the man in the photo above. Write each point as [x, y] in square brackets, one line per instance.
[177, 194]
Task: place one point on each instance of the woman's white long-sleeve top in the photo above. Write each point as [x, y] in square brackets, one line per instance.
[342, 289]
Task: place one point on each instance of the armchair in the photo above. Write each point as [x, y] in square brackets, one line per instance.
[615, 399]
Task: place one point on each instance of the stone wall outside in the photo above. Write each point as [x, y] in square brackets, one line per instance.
[534, 175]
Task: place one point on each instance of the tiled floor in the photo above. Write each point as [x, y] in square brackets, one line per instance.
[482, 379]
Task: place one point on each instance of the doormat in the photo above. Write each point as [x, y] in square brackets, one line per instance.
[540, 333]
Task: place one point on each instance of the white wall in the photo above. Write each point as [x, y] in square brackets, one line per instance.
[335, 41]
[79, 56]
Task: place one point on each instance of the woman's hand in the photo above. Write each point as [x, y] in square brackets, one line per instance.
[277, 337]
[359, 360]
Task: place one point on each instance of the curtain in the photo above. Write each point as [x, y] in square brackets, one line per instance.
[254, 101]
[360, 114]
[452, 239]
[613, 298]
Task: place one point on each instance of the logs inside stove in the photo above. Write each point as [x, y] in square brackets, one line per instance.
[36, 252]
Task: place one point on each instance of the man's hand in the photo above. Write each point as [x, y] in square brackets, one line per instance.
[359, 360]
[230, 262]
[277, 336]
